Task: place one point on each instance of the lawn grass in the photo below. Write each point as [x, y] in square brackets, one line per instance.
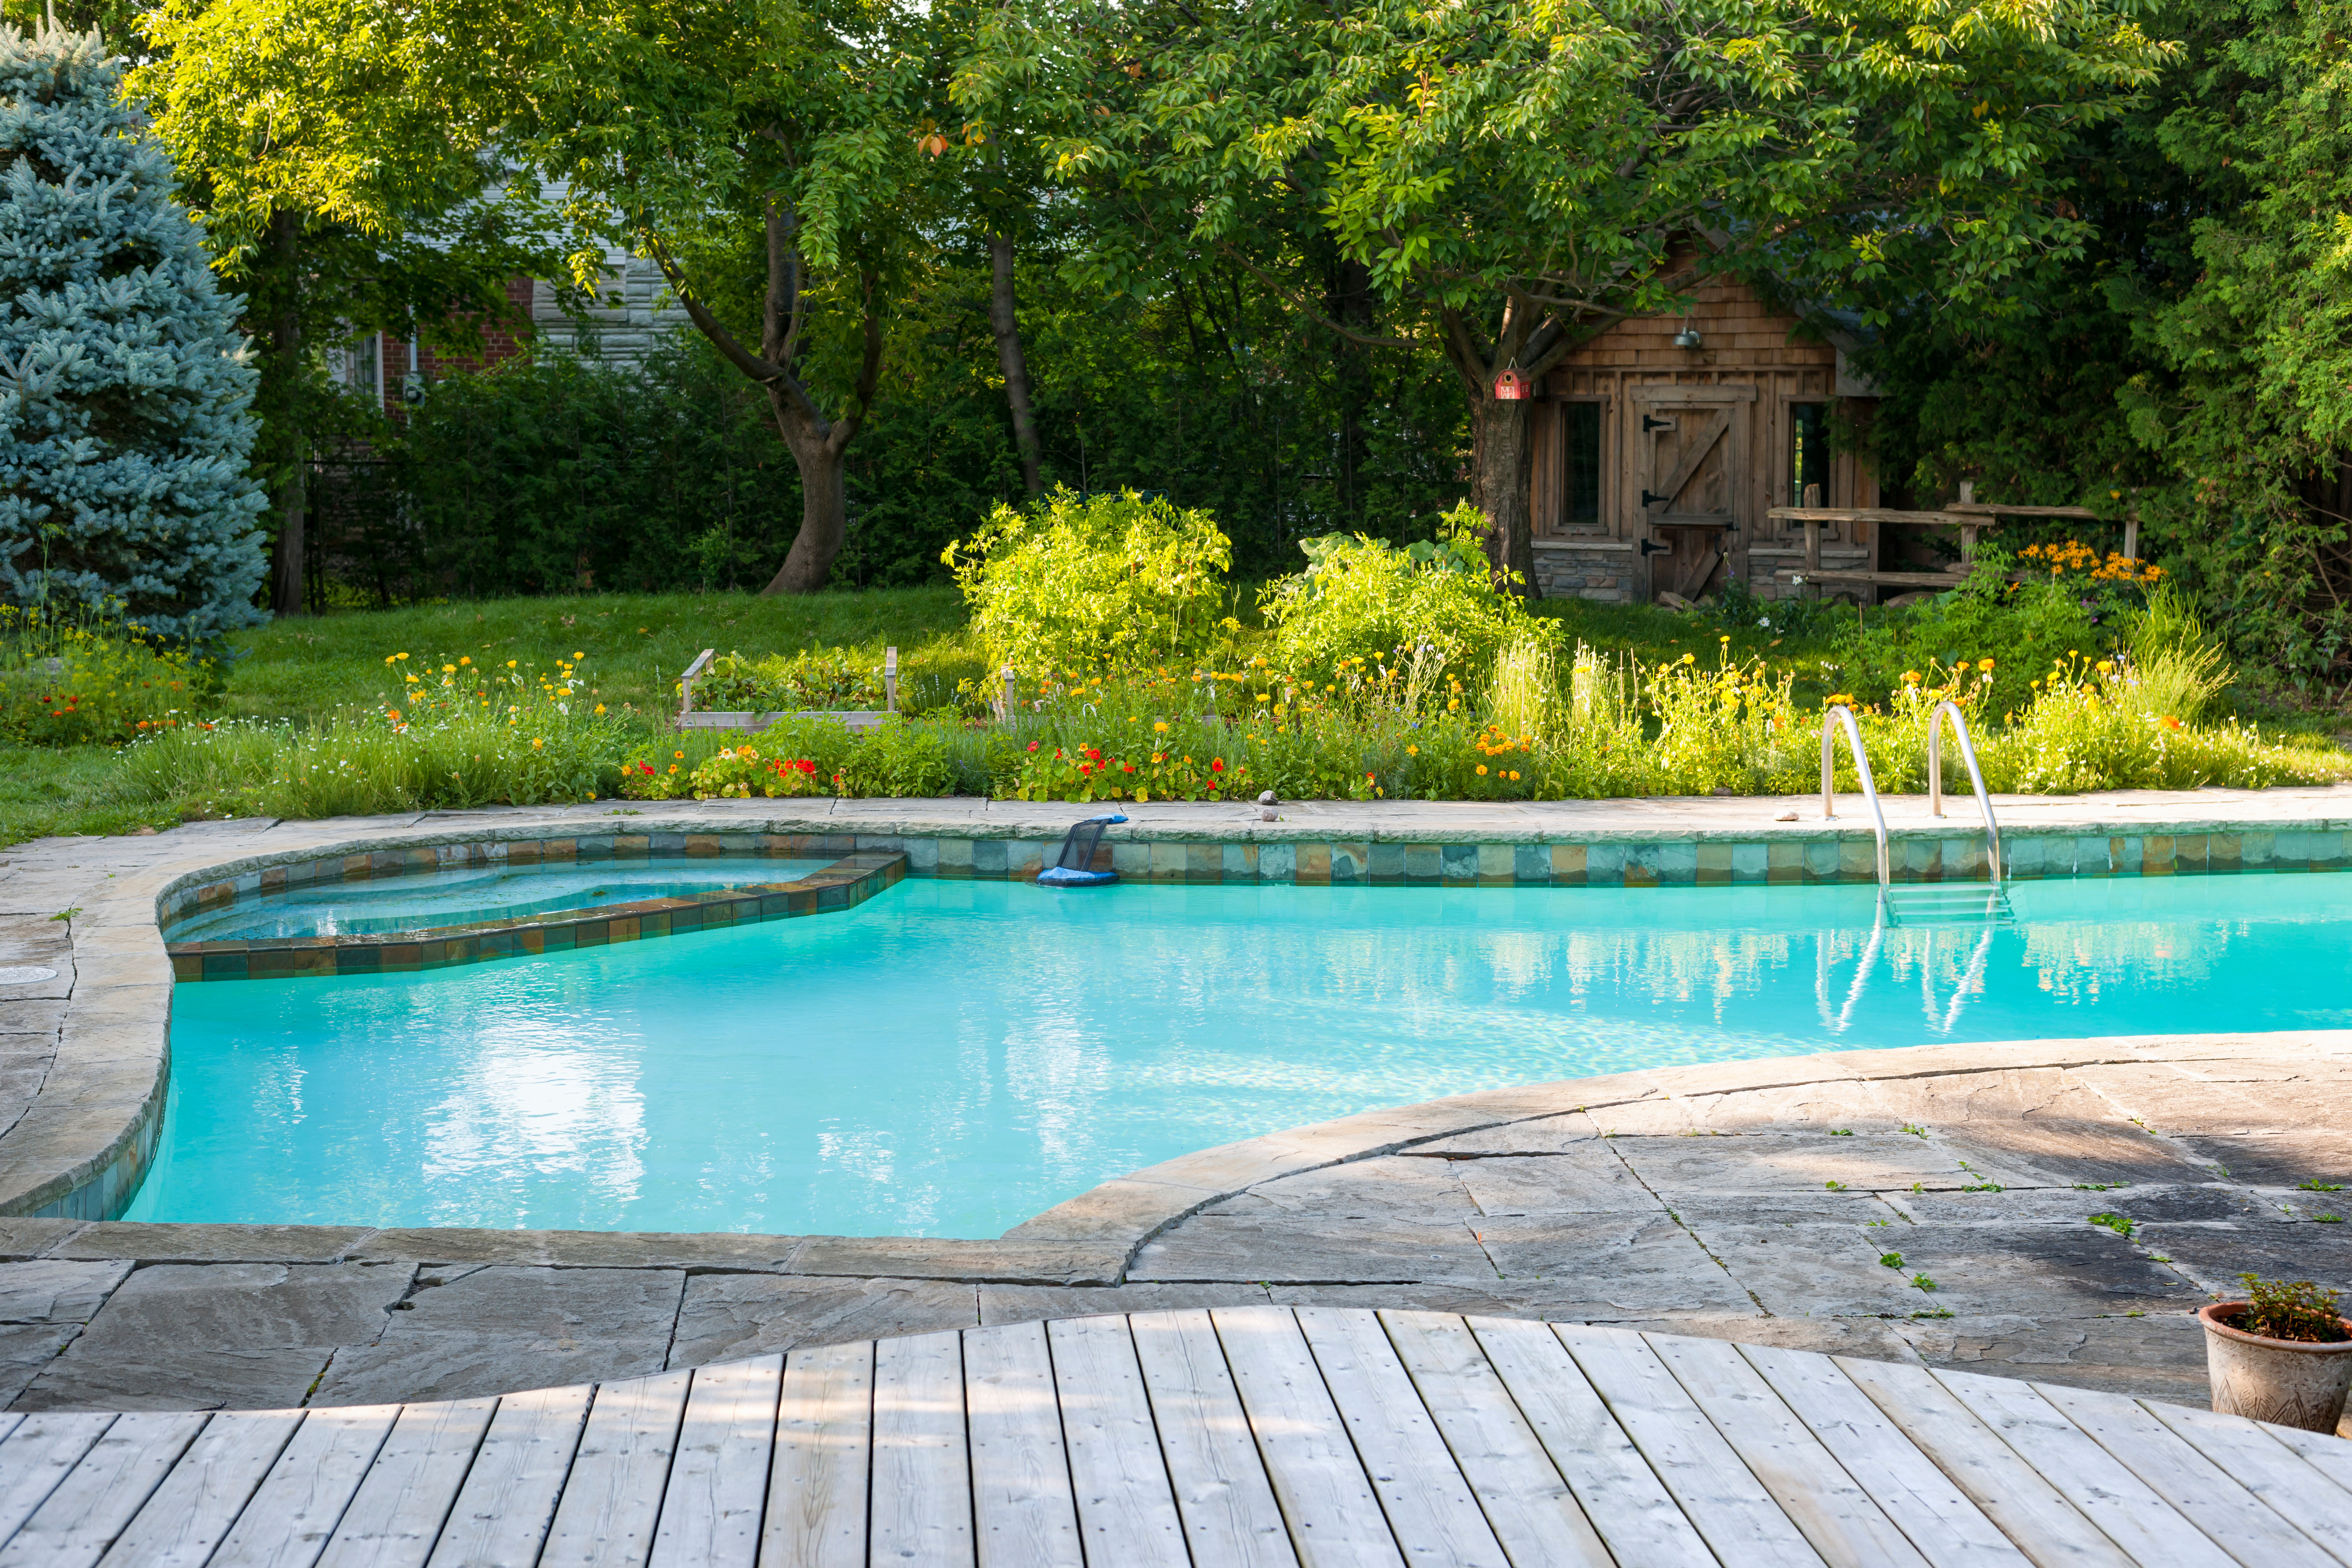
[634, 645]
[308, 668]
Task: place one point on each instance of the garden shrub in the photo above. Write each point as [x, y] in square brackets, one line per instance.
[1076, 583]
[1360, 598]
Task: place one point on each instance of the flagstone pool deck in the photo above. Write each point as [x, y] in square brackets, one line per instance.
[1925, 1205]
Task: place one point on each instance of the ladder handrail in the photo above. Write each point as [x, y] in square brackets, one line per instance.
[1838, 713]
[1976, 774]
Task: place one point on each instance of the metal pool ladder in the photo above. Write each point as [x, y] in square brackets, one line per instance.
[1929, 903]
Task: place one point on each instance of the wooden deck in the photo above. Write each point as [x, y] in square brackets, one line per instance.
[1255, 1436]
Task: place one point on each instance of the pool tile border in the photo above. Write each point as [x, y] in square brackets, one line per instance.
[847, 882]
[1142, 854]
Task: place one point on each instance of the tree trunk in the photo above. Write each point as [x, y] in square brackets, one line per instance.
[1499, 472]
[1006, 322]
[824, 504]
[288, 594]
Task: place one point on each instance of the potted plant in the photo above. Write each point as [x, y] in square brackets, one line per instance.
[2283, 1355]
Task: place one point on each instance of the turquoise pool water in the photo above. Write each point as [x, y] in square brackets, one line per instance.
[950, 1058]
[460, 895]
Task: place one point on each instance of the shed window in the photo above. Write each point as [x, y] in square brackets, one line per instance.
[1580, 492]
[1809, 453]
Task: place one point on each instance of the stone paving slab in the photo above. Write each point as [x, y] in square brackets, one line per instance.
[1516, 1203]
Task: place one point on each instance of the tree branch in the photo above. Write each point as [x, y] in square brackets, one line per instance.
[1304, 309]
[768, 375]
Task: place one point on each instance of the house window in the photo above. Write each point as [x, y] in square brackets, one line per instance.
[1581, 492]
[363, 366]
[1809, 453]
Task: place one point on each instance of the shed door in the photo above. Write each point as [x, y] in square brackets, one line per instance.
[1688, 476]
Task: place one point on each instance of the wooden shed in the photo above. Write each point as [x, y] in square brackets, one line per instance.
[1660, 446]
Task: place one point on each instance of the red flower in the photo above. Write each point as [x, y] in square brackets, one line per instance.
[1085, 768]
[1033, 745]
[1092, 755]
[1127, 767]
[1217, 766]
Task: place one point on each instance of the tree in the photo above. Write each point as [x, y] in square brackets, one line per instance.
[1516, 177]
[338, 160]
[763, 153]
[125, 393]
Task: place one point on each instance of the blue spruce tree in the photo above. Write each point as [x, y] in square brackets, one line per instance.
[125, 391]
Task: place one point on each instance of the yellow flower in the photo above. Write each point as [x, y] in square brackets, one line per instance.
[1984, 664]
[599, 708]
[510, 663]
[1160, 725]
[536, 742]
[400, 655]
[580, 656]
[465, 659]
[679, 754]
[1412, 751]
[390, 657]
[1482, 770]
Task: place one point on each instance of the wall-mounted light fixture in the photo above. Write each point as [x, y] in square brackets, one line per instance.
[1689, 337]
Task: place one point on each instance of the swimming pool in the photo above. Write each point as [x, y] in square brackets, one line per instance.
[951, 1058]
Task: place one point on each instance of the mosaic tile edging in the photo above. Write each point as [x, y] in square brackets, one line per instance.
[1600, 862]
[844, 884]
[1655, 863]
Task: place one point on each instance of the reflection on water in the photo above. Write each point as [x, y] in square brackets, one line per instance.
[950, 1058]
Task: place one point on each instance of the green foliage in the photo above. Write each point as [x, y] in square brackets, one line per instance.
[2022, 627]
[124, 389]
[2189, 363]
[554, 472]
[2301, 1311]
[1080, 581]
[1363, 598]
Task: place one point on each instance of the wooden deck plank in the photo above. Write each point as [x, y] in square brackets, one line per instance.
[1024, 1512]
[502, 1513]
[1328, 1501]
[1622, 1496]
[404, 1499]
[1433, 1510]
[2251, 1455]
[78, 1521]
[1845, 1525]
[37, 1455]
[187, 1515]
[1223, 1495]
[817, 1484]
[1739, 1517]
[2030, 1508]
[2323, 1451]
[2237, 1521]
[1127, 1506]
[2118, 1502]
[921, 1509]
[710, 1511]
[613, 1497]
[286, 1522]
[1534, 1516]
[1939, 1519]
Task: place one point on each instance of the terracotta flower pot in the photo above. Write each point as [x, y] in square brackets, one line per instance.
[2288, 1382]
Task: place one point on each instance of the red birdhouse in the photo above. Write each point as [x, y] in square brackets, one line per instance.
[1513, 385]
